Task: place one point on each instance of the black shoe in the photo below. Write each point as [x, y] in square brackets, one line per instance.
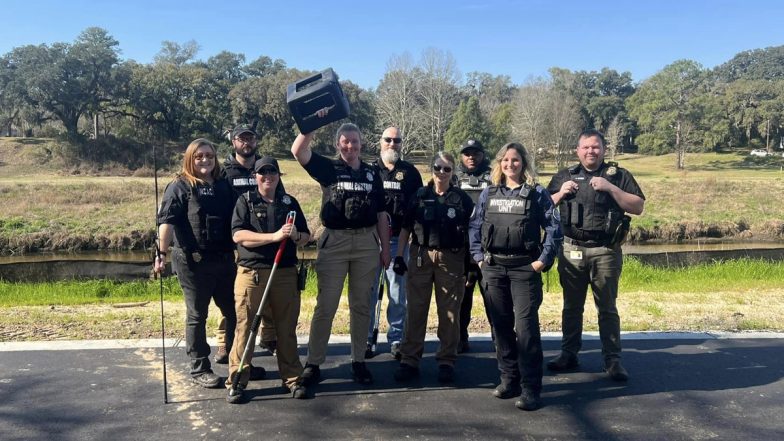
[446, 373]
[311, 375]
[297, 390]
[236, 395]
[221, 357]
[369, 352]
[463, 347]
[507, 390]
[615, 370]
[563, 362]
[405, 372]
[360, 372]
[271, 346]
[207, 380]
[257, 373]
[529, 400]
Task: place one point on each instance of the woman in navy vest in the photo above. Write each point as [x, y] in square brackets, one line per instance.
[505, 240]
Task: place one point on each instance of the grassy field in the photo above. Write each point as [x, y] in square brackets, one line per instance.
[45, 207]
[737, 295]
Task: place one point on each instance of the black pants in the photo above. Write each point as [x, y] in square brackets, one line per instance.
[211, 278]
[513, 296]
[468, 301]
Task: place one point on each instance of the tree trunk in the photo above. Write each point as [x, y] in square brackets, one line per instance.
[767, 136]
[678, 150]
[95, 125]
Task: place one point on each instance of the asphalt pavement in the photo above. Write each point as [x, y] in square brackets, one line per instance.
[682, 386]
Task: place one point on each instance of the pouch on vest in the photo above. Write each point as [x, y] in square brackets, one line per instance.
[429, 210]
[215, 229]
[574, 214]
[354, 208]
[621, 230]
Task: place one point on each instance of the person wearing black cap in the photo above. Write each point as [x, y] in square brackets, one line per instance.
[258, 226]
[238, 170]
[354, 242]
[473, 176]
[196, 212]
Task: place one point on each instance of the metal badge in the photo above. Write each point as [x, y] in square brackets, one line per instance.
[286, 199]
[399, 176]
[450, 213]
[370, 177]
[612, 171]
[196, 257]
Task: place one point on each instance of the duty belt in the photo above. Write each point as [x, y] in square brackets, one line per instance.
[586, 243]
[511, 259]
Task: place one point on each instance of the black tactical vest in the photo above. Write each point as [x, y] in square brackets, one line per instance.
[268, 217]
[440, 220]
[394, 198]
[350, 202]
[509, 227]
[588, 214]
[209, 216]
[472, 184]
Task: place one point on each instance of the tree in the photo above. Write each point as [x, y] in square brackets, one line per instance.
[397, 101]
[667, 109]
[467, 123]
[564, 125]
[66, 80]
[437, 89]
[529, 120]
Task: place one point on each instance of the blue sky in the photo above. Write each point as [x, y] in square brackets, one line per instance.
[357, 38]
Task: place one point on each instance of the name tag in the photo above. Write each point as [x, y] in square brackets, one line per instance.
[575, 255]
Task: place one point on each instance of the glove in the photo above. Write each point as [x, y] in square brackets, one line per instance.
[399, 267]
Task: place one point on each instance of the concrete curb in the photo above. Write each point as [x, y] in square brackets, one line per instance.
[75, 345]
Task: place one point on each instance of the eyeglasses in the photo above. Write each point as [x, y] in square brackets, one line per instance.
[201, 157]
[267, 172]
[392, 140]
[445, 169]
[246, 139]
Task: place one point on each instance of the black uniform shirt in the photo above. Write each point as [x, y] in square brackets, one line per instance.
[264, 256]
[474, 181]
[241, 178]
[323, 170]
[216, 199]
[624, 180]
[404, 179]
[411, 213]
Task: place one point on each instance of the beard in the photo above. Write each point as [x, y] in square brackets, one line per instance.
[241, 152]
[390, 156]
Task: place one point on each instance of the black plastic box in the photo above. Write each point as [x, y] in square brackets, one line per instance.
[307, 96]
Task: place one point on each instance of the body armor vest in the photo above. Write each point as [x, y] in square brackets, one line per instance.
[440, 220]
[590, 214]
[209, 215]
[268, 217]
[509, 227]
[349, 197]
[473, 184]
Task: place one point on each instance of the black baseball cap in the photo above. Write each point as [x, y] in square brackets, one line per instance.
[472, 144]
[242, 128]
[266, 161]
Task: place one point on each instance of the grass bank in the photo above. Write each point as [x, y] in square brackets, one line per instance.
[45, 207]
[736, 295]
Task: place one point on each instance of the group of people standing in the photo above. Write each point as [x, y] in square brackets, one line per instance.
[473, 223]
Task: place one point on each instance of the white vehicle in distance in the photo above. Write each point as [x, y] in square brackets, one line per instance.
[759, 152]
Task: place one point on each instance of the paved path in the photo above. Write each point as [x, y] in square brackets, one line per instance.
[683, 386]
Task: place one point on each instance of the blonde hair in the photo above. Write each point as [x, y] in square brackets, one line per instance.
[188, 172]
[498, 177]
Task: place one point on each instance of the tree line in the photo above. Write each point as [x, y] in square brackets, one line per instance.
[105, 107]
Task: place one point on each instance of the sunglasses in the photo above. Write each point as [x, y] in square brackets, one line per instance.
[445, 169]
[202, 157]
[392, 140]
[267, 172]
[246, 139]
